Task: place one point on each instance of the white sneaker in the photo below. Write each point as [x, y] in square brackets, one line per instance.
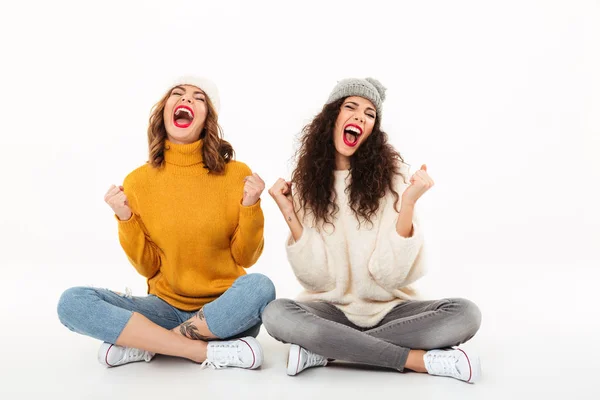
[112, 355]
[454, 363]
[242, 353]
[299, 359]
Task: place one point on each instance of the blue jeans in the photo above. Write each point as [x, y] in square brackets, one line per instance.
[103, 314]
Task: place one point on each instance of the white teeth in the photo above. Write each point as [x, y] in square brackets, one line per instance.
[353, 129]
[180, 110]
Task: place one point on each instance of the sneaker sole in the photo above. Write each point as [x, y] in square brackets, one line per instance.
[103, 354]
[256, 351]
[475, 369]
[474, 365]
[293, 362]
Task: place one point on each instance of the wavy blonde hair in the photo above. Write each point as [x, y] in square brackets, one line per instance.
[216, 152]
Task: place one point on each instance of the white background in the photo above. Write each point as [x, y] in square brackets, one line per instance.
[500, 99]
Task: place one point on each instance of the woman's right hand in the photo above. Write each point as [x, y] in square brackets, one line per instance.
[281, 192]
[117, 200]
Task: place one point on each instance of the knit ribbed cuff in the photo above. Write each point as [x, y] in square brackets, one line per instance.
[251, 211]
[130, 225]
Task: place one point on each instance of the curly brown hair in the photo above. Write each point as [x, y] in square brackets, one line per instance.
[373, 168]
[216, 152]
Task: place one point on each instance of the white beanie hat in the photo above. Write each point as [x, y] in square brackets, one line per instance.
[205, 84]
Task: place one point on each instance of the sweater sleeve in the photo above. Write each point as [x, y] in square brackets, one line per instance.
[247, 241]
[397, 261]
[135, 240]
[142, 253]
[308, 258]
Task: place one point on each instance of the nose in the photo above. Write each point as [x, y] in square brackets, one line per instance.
[359, 118]
[185, 99]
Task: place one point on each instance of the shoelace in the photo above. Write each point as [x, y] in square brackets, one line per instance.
[212, 364]
[132, 353]
[314, 360]
[447, 363]
[222, 356]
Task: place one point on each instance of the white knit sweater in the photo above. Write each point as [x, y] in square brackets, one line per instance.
[364, 272]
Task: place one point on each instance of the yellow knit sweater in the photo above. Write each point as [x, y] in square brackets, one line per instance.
[189, 234]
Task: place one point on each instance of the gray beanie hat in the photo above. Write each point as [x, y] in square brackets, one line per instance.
[368, 88]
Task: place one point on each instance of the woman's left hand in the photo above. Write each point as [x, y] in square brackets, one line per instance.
[253, 188]
[420, 182]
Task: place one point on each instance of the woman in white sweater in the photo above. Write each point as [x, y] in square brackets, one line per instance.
[356, 246]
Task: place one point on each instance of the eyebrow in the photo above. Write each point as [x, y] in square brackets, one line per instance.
[196, 92]
[358, 105]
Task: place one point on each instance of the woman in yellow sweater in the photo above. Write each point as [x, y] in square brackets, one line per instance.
[190, 222]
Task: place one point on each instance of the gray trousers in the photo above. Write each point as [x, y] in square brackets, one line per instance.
[322, 328]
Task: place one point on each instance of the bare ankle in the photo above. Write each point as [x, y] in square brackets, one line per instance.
[198, 351]
[415, 361]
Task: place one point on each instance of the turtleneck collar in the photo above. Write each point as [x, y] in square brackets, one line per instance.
[183, 155]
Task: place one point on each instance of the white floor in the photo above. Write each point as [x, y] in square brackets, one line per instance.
[539, 339]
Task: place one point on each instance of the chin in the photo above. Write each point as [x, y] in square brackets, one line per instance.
[347, 152]
[183, 135]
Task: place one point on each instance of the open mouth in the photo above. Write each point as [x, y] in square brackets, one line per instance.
[351, 134]
[183, 116]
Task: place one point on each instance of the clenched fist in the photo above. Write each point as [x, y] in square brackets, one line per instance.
[253, 188]
[420, 182]
[281, 192]
[117, 200]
